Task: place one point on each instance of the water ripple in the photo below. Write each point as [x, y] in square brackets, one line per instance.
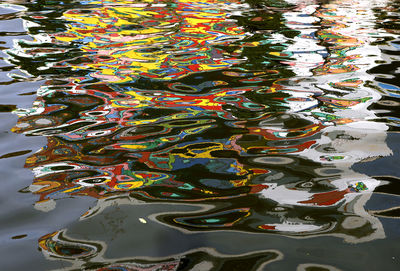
[258, 111]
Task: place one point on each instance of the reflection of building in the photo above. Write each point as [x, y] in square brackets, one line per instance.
[271, 153]
[349, 135]
[124, 40]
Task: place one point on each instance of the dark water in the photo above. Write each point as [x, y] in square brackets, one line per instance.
[200, 135]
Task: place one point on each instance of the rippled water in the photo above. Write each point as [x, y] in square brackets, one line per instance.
[200, 135]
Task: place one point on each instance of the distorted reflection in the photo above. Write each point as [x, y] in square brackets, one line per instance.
[257, 110]
[87, 255]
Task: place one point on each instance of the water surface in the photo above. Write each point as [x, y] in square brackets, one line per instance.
[200, 135]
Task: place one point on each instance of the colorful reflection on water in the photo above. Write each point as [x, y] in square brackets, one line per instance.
[254, 112]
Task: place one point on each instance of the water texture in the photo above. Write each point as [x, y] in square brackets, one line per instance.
[200, 135]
